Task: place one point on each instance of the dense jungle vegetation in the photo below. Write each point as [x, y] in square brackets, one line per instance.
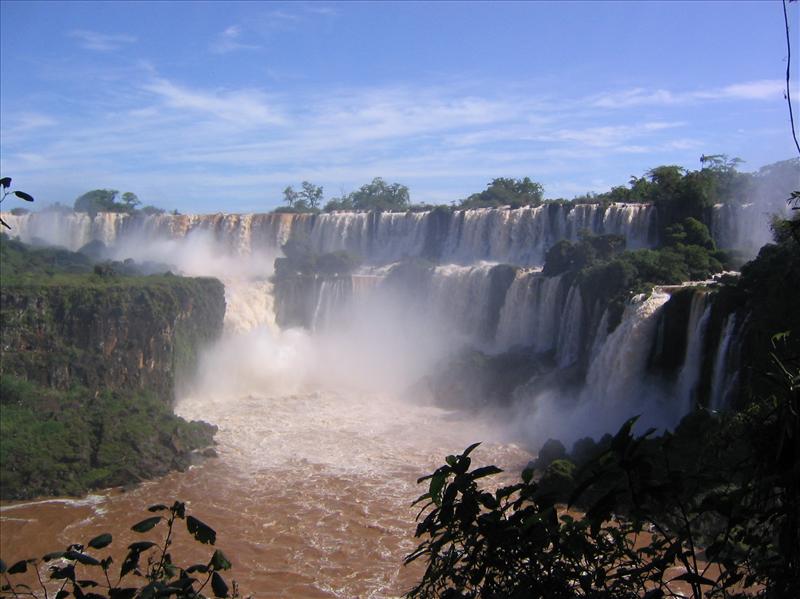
[84, 404]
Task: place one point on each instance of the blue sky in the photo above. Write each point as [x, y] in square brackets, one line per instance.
[210, 107]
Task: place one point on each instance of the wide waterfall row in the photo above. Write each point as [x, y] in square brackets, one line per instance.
[494, 308]
[677, 348]
[520, 236]
[687, 344]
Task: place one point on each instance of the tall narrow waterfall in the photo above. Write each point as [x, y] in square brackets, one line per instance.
[722, 376]
[689, 375]
[531, 312]
[570, 331]
[616, 375]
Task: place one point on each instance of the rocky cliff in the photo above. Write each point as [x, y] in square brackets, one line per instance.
[129, 333]
[90, 362]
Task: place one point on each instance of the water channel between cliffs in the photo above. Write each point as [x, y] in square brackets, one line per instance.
[310, 495]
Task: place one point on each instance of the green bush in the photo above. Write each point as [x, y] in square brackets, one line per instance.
[68, 442]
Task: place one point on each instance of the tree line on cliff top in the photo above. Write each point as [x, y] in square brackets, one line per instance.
[679, 193]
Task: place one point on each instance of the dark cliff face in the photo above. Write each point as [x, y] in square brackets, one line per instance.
[89, 368]
[135, 334]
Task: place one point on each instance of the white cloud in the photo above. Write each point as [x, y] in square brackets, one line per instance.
[243, 107]
[228, 41]
[608, 136]
[633, 97]
[320, 9]
[180, 138]
[754, 90]
[280, 15]
[751, 90]
[101, 42]
[25, 121]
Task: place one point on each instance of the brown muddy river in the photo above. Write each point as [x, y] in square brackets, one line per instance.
[310, 495]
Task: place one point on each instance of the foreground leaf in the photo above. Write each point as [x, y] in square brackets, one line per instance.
[201, 531]
[218, 585]
[146, 524]
[100, 541]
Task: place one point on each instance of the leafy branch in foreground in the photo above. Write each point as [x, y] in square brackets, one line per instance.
[160, 577]
[648, 525]
[5, 183]
[514, 543]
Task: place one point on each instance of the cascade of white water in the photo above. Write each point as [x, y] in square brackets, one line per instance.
[529, 316]
[747, 227]
[333, 297]
[248, 305]
[600, 336]
[377, 238]
[587, 217]
[460, 295]
[632, 221]
[568, 349]
[689, 375]
[616, 375]
[719, 380]
[399, 235]
[515, 236]
[71, 231]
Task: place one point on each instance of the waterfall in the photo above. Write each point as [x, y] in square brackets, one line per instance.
[518, 236]
[332, 299]
[529, 316]
[71, 231]
[460, 296]
[616, 374]
[632, 221]
[689, 376]
[248, 305]
[570, 330]
[600, 336]
[722, 380]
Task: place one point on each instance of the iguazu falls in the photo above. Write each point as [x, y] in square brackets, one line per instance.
[507, 368]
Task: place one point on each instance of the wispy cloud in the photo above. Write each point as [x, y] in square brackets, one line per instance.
[243, 107]
[752, 90]
[608, 136]
[282, 15]
[229, 41]
[101, 42]
[174, 136]
[316, 8]
[25, 121]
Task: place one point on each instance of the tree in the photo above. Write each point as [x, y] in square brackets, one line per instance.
[507, 192]
[689, 232]
[130, 200]
[342, 203]
[105, 200]
[379, 195]
[311, 195]
[97, 200]
[713, 500]
[290, 196]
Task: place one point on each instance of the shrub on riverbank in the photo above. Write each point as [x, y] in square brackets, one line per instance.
[56, 442]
